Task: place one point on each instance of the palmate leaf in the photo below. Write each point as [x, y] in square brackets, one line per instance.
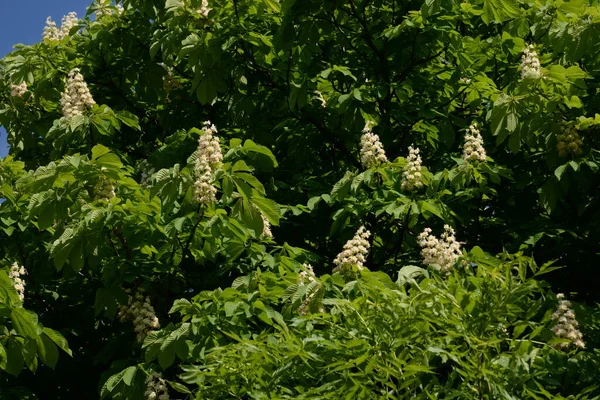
[25, 322]
[269, 209]
[500, 10]
[290, 87]
[113, 382]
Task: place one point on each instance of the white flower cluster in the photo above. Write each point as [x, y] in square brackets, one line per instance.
[443, 252]
[18, 90]
[530, 63]
[473, 150]
[566, 327]
[52, 32]
[208, 159]
[104, 189]
[156, 387]
[204, 10]
[104, 8]
[76, 96]
[371, 149]
[266, 227]
[355, 251]
[465, 81]
[19, 284]
[68, 22]
[319, 96]
[140, 311]
[411, 176]
[307, 275]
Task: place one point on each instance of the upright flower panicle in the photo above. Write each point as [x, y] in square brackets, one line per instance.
[208, 158]
[156, 387]
[67, 23]
[355, 251]
[444, 251]
[77, 97]
[266, 227]
[411, 175]
[473, 150]
[371, 149]
[566, 326]
[52, 32]
[530, 63]
[139, 310]
[18, 90]
[15, 274]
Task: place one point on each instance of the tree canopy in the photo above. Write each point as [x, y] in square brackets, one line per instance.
[263, 199]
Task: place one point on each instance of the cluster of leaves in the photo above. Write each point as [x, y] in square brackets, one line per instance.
[289, 86]
[479, 333]
[25, 342]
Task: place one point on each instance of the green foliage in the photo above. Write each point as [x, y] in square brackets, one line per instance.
[101, 207]
[25, 342]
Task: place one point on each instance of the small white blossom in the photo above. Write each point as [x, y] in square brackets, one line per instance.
[530, 63]
[15, 274]
[566, 326]
[204, 10]
[411, 175]
[319, 96]
[473, 150]
[139, 310]
[444, 251]
[371, 149]
[156, 387]
[104, 8]
[355, 251]
[465, 81]
[18, 90]
[209, 157]
[76, 97]
[307, 275]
